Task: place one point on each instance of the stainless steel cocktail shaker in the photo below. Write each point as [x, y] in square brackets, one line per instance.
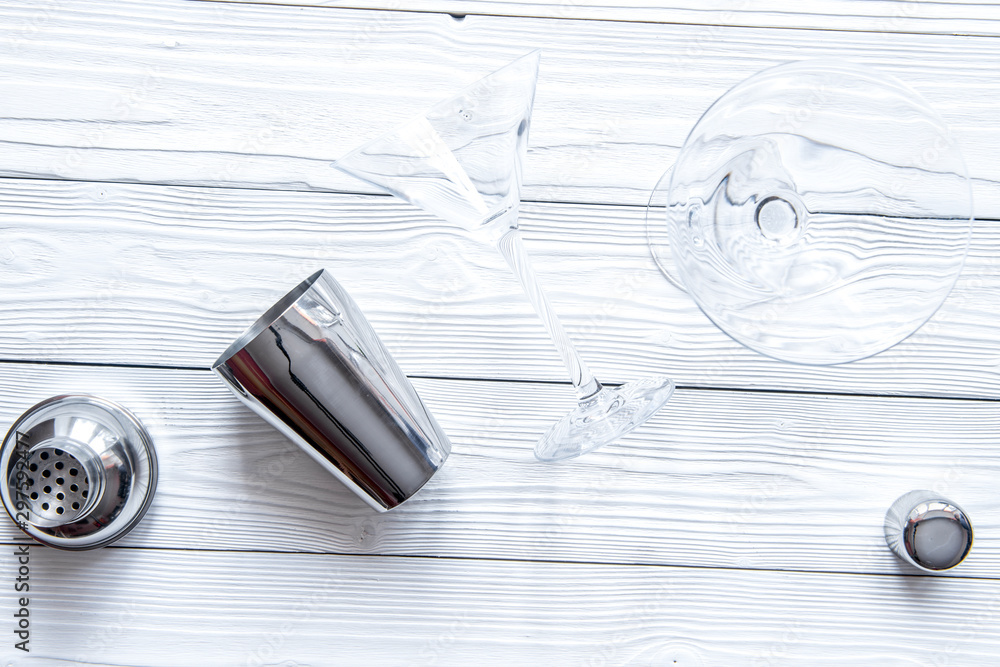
[314, 368]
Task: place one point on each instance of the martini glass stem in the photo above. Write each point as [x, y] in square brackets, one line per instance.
[509, 245]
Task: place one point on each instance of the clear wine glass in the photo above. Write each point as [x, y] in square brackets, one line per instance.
[819, 212]
[462, 162]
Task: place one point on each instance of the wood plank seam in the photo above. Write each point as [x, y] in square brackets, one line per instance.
[565, 12]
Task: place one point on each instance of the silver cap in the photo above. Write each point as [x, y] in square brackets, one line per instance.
[928, 531]
[79, 472]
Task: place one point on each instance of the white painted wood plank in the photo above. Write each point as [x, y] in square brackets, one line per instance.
[945, 17]
[267, 96]
[171, 275]
[725, 479]
[176, 608]
[264, 97]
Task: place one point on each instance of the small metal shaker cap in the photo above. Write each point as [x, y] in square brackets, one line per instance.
[929, 532]
[79, 472]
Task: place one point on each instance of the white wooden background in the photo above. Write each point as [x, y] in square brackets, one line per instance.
[164, 177]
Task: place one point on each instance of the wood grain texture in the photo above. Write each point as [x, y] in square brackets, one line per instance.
[945, 17]
[165, 178]
[264, 96]
[722, 479]
[133, 274]
[170, 608]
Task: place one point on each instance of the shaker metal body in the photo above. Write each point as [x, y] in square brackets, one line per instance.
[314, 368]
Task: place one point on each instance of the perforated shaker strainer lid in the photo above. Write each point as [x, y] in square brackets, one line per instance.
[78, 472]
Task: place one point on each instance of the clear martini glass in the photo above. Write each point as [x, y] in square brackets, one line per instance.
[461, 161]
[818, 213]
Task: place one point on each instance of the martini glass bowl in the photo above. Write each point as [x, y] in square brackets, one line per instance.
[819, 212]
[462, 161]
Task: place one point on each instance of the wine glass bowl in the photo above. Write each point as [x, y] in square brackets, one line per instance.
[818, 212]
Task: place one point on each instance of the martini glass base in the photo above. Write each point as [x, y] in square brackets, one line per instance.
[608, 415]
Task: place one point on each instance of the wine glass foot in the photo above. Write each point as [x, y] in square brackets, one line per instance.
[610, 414]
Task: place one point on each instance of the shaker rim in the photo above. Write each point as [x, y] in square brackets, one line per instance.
[268, 318]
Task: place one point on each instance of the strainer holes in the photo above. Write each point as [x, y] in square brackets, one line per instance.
[84, 493]
[31, 481]
[74, 488]
[60, 496]
[45, 506]
[59, 481]
[72, 472]
[44, 455]
[33, 467]
[46, 472]
[47, 489]
[59, 452]
[76, 505]
[34, 495]
[60, 465]
[60, 510]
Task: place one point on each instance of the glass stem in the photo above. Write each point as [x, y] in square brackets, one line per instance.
[509, 245]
